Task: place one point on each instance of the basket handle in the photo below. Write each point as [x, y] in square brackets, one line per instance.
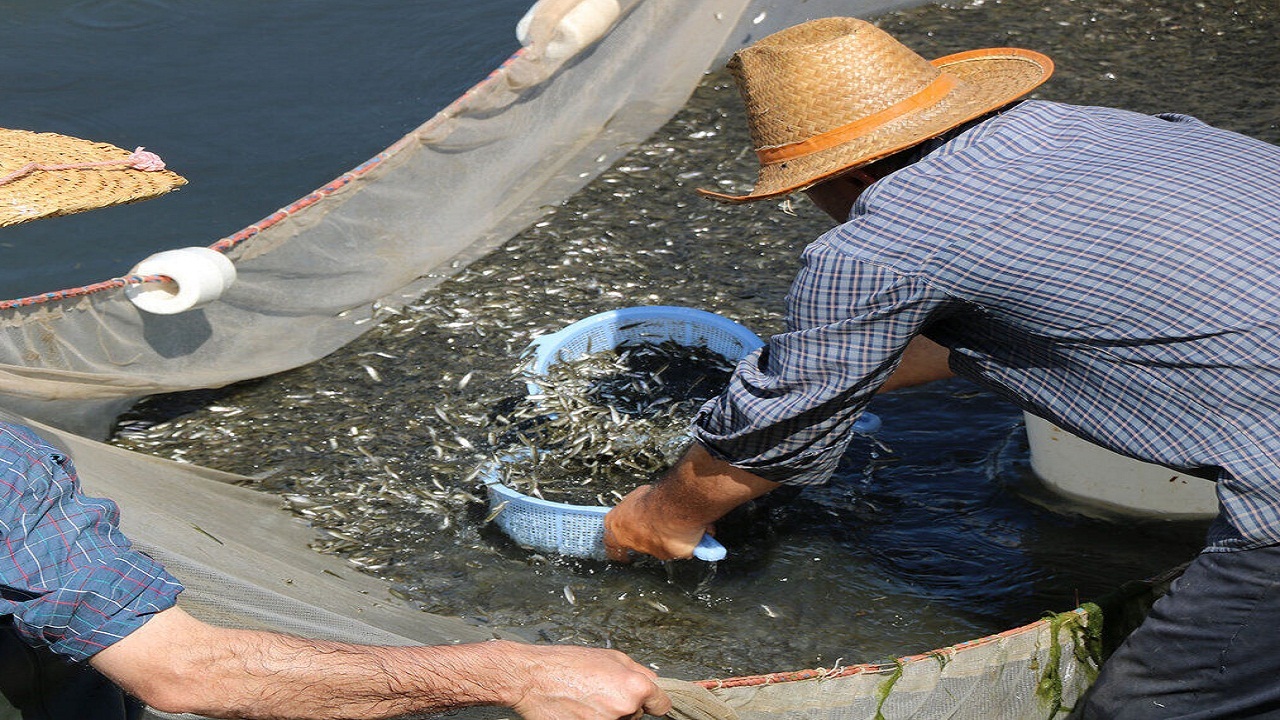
[709, 549]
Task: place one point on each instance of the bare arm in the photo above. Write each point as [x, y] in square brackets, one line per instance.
[667, 519]
[924, 361]
[176, 663]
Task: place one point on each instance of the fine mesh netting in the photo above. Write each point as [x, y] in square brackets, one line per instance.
[318, 273]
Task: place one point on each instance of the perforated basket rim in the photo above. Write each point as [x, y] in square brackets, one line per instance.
[576, 530]
[546, 350]
[509, 506]
[506, 492]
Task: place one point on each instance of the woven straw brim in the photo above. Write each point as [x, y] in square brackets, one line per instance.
[989, 79]
[48, 193]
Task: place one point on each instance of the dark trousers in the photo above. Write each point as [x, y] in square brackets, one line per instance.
[1210, 648]
[45, 686]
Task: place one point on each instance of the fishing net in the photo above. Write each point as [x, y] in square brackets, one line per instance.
[318, 273]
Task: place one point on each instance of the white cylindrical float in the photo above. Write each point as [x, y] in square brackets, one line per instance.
[197, 277]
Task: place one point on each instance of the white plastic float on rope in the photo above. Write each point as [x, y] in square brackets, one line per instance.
[197, 277]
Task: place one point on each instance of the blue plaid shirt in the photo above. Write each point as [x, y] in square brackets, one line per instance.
[67, 574]
[1115, 273]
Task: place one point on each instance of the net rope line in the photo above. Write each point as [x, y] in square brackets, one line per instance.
[693, 701]
[699, 700]
[230, 242]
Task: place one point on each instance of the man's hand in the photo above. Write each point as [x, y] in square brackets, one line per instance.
[568, 682]
[667, 519]
[634, 525]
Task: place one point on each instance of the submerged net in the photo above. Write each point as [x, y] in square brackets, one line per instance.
[316, 274]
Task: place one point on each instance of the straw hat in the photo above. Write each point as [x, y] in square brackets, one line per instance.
[830, 95]
[46, 174]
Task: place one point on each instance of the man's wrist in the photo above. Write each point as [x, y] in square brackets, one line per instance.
[506, 674]
[669, 514]
[701, 489]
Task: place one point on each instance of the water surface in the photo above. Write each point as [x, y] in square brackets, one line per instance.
[255, 103]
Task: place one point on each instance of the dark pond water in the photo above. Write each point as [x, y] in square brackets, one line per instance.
[925, 536]
[255, 103]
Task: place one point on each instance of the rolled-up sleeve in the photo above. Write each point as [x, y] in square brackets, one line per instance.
[70, 578]
[789, 410]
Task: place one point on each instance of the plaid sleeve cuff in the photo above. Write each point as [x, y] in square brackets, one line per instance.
[71, 580]
[98, 605]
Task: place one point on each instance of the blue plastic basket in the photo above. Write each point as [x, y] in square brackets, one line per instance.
[571, 530]
[578, 530]
[637, 325]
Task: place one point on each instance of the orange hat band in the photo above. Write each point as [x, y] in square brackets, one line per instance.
[931, 94]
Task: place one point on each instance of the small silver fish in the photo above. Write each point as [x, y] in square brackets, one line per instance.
[497, 510]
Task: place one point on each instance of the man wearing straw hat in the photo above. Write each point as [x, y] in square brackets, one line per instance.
[1115, 273]
[81, 611]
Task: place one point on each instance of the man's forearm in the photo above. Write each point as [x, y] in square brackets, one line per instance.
[261, 675]
[701, 489]
[923, 361]
[178, 664]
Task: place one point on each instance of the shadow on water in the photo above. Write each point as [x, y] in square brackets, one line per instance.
[924, 537]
